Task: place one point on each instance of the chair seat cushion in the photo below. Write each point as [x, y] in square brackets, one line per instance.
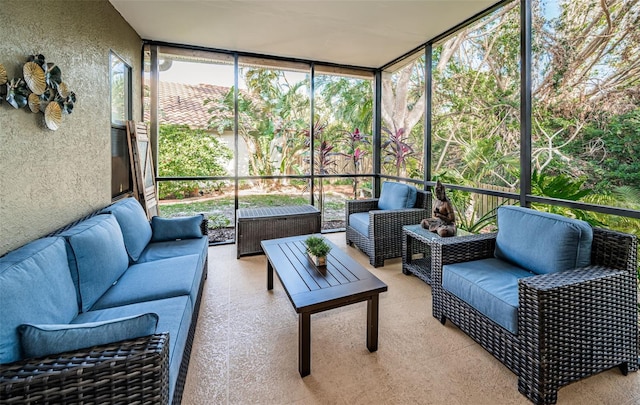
[488, 285]
[542, 242]
[396, 196]
[360, 222]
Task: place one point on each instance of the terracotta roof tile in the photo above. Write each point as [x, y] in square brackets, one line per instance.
[184, 103]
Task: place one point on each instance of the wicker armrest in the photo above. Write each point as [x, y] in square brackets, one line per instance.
[354, 206]
[588, 315]
[614, 249]
[548, 283]
[204, 225]
[395, 219]
[132, 371]
[458, 249]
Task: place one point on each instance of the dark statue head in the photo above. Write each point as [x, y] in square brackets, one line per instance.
[440, 194]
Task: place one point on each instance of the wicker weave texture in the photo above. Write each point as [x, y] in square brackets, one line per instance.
[384, 240]
[257, 224]
[130, 372]
[571, 324]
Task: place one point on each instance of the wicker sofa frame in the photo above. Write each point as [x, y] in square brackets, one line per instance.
[129, 372]
[571, 324]
[385, 226]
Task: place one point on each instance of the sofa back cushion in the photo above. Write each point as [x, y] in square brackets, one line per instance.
[134, 225]
[35, 287]
[397, 196]
[97, 256]
[542, 242]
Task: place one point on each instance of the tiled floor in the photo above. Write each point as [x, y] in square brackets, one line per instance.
[246, 349]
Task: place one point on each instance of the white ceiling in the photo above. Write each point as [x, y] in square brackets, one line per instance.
[367, 33]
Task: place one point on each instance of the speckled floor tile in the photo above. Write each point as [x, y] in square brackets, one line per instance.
[246, 348]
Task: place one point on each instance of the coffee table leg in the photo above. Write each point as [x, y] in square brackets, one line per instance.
[304, 344]
[372, 323]
[269, 276]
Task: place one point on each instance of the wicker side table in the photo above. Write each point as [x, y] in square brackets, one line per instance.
[416, 250]
[254, 225]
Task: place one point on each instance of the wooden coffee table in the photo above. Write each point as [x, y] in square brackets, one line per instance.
[311, 289]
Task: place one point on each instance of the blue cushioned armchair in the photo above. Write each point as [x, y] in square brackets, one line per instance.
[550, 297]
[375, 225]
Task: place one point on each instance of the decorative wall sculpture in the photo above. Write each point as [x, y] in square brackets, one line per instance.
[41, 89]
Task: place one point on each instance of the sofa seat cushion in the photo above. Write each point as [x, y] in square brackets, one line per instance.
[155, 280]
[97, 256]
[488, 285]
[165, 229]
[35, 287]
[174, 316]
[542, 242]
[360, 222]
[134, 224]
[184, 247]
[395, 196]
[46, 339]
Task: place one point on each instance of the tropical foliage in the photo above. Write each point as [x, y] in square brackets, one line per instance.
[585, 120]
[184, 152]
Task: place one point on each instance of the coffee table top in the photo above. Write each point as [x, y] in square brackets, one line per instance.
[308, 286]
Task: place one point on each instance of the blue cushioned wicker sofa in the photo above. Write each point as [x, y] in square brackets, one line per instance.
[103, 310]
[551, 297]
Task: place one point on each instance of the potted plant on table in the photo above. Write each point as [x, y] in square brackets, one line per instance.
[318, 249]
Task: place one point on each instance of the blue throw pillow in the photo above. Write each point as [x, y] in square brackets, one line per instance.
[45, 340]
[165, 229]
[396, 196]
[134, 224]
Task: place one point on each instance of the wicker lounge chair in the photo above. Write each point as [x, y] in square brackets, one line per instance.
[570, 324]
[384, 237]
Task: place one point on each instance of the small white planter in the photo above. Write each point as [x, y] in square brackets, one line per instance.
[318, 260]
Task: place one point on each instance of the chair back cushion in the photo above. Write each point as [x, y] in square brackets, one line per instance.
[97, 256]
[134, 224]
[35, 286]
[542, 242]
[396, 196]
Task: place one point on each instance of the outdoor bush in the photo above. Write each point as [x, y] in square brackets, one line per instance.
[185, 152]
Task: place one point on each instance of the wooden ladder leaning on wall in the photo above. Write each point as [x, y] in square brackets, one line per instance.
[142, 169]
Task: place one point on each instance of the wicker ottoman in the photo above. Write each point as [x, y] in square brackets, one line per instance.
[254, 225]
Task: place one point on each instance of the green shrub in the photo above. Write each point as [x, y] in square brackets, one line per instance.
[185, 152]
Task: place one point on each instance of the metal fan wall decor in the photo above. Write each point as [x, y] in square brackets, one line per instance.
[41, 89]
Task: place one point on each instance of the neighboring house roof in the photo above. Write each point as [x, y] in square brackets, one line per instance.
[184, 103]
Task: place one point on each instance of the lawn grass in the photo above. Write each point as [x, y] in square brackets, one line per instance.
[226, 204]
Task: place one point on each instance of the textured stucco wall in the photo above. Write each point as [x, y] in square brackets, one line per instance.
[49, 178]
